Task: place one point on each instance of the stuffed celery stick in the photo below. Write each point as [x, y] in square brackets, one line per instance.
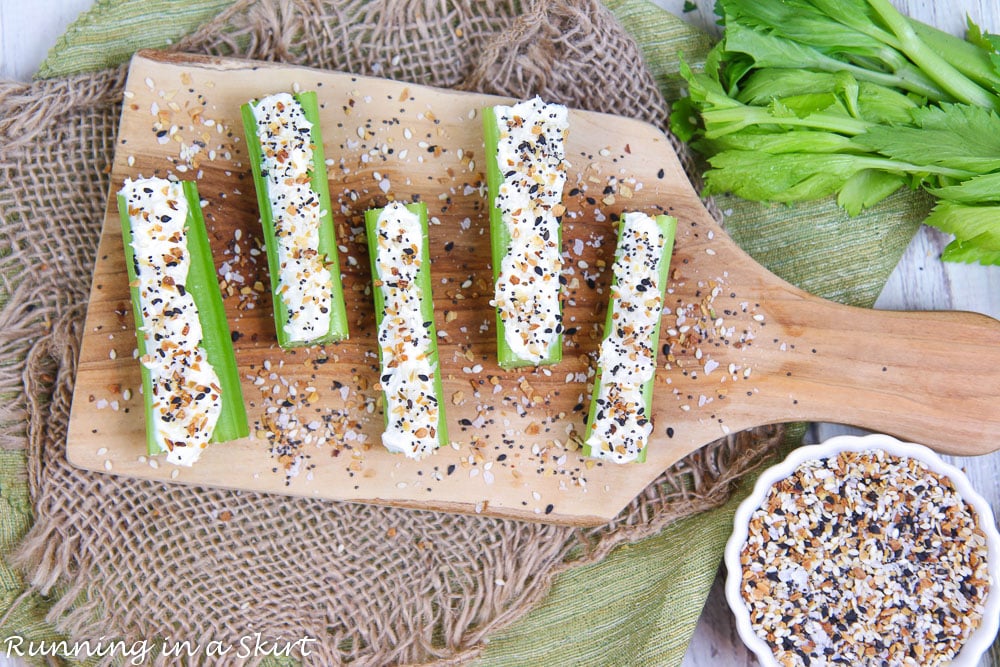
[289, 172]
[526, 172]
[190, 382]
[407, 339]
[618, 425]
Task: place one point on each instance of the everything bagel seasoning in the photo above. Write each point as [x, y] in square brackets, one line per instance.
[865, 558]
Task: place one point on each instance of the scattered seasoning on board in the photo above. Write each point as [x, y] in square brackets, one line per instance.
[298, 425]
[702, 319]
[242, 276]
[184, 118]
[864, 559]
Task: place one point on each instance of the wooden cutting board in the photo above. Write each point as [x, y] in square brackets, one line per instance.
[744, 347]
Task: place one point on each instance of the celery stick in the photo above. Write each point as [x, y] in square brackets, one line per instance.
[426, 305]
[932, 64]
[327, 238]
[966, 57]
[216, 337]
[500, 243]
[668, 227]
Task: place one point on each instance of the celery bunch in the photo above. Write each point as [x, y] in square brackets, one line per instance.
[807, 98]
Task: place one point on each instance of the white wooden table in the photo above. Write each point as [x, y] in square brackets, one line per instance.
[920, 282]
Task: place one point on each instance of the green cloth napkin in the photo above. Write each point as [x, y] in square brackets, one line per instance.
[112, 30]
[641, 604]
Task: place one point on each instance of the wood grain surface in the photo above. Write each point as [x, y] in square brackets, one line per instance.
[741, 347]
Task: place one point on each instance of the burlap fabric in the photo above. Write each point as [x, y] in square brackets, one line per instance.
[139, 560]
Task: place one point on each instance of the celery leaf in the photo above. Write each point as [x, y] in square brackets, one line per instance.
[957, 136]
[684, 119]
[973, 251]
[983, 188]
[976, 230]
[785, 177]
[866, 188]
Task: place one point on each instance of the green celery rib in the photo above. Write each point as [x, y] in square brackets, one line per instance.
[746, 116]
[216, 338]
[152, 447]
[936, 67]
[327, 237]
[964, 56]
[500, 242]
[769, 50]
[426, 304]
[668, 227]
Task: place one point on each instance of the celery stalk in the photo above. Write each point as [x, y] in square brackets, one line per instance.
[500, 242]
[327, 237]
[936, 67]
[203, 287]
[968, 58]
[426, 302]
[668, 227]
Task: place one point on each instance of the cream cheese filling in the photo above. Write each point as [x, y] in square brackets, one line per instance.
[627, 359]
[186, 398]
[404, 337]
[304, 282]
[531, 158]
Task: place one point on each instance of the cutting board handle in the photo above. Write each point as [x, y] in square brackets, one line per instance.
[927, 377]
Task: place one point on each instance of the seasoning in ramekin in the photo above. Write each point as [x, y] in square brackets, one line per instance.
[865, 558]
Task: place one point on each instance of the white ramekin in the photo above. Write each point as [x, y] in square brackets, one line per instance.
[977, 643]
